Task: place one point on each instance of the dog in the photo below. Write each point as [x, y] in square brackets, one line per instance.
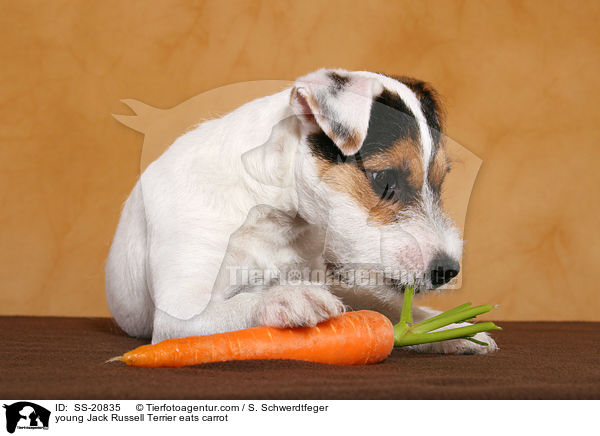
[341, 174]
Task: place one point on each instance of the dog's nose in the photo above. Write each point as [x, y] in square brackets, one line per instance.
[443, 268]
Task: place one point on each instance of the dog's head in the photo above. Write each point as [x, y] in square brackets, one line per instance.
[371, 173]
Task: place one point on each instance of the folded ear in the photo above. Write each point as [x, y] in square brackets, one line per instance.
[337, 102]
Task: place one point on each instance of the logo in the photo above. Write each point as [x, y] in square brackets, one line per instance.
[26, 415]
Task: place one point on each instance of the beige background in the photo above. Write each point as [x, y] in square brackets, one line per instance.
[520, 81]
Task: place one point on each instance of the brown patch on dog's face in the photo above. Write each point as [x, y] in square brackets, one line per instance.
[401, 164]
[404, 155]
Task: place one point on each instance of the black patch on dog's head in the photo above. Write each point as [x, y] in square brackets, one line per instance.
[390, 121]
[430, 105]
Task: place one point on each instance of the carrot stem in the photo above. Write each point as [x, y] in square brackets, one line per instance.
[400, 331]
[445, 335]
[478, 342]
[407, 333]
[457, 309]
[406, 315]
[452, 318]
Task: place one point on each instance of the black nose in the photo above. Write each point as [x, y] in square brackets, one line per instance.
[443, 269]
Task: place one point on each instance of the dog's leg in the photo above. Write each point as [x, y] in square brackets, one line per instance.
[456, 346]
[236, 313]
[273, 240]
[183, 262]
[266, 241]
[275, 306]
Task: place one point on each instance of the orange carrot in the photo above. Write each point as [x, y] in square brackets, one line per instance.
[353, 338]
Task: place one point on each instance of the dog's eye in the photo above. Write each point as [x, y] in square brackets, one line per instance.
[390, 184]
[382, 181]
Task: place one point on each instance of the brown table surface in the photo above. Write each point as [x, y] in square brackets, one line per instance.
[63, 358]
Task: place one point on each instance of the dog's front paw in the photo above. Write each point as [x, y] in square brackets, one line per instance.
[457, 346]
[297, 306]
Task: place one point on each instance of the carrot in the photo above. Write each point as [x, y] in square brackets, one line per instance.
[353, 338]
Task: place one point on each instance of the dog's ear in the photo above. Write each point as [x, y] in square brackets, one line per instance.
[337, 102]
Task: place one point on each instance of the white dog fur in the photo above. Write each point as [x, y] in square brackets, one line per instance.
[246, 191]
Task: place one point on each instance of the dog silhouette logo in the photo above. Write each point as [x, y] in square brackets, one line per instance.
[26, 415]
